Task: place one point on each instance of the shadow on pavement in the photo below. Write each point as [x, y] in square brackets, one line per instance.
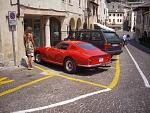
[90, 72]
[113, 59]
[139, 46]
[80, 71]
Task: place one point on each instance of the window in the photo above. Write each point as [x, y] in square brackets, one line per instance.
[95, 36]
[63, 46]
[113, 14]
[69, 1]
[149, 19]
[109, 20]
[120, 14]
[109, 14]
[111, 36]
[117, 20]
[86, 46]
[82, 35]
[120, 20]
[79, 2]
[113, 7]
[93, 10]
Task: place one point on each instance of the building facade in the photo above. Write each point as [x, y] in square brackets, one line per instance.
[116, 15]
[103, 12]
[143, 20]
[51, 22]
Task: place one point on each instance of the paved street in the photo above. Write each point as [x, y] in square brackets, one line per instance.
[120, 87]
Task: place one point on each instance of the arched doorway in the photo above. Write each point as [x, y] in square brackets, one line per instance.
[71, 26]
[55, 31]
[78, 24]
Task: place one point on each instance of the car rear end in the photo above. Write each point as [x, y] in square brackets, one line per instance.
[100, 60]
[92, 56]
[113, 44]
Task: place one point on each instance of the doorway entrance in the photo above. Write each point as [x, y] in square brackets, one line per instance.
[35, 23]
[55, 31]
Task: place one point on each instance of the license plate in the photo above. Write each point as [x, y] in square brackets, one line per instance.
[114, 45]
[101, 59]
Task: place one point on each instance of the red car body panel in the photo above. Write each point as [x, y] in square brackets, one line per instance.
[82, 57]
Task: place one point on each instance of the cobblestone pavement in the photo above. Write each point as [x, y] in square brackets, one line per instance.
[117, 88]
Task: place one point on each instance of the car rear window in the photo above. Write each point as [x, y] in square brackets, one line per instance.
[110, 36]
[86, 46]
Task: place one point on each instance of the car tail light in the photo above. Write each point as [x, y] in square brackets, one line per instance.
[99, 59]
[107, 58]
[107, 45]
[90, 60]
[120, 44]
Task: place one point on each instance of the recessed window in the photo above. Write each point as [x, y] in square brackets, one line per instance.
[120, 14]
[109, 14]
[93, 10]
[113, 14]
[79, 2]
[117, 14]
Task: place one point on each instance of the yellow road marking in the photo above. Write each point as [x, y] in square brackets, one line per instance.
[117, 73]
[112, 85]
[71, 78]
[6, 81]
[1, 79]
[24, 85]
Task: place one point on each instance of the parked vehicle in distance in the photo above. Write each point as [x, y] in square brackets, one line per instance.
[72, 54]
[106, 40]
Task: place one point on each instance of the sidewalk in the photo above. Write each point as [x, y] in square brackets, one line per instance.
[139, 46]
[12, 68]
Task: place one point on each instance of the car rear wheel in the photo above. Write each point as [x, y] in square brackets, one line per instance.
[69, 65]
[38, 58]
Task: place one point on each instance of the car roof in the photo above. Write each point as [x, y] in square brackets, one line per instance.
[74, 42]
[86, 30]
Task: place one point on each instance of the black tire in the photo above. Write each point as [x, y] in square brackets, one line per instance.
[38, 58]
[70, 66]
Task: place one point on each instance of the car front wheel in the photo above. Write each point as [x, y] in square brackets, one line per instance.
[69, 65]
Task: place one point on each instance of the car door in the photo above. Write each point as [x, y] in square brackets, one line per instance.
[59, 52]
[48, 54]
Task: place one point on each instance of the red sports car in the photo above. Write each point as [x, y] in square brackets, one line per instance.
[72, 54]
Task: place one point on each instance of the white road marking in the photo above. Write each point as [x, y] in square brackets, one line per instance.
[63, 102]
[140, 71]
[44, 73]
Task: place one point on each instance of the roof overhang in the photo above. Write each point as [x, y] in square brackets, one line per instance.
[37, 11]
[145, 6]
[104, 27]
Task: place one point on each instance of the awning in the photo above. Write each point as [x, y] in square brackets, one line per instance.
[104, 27]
